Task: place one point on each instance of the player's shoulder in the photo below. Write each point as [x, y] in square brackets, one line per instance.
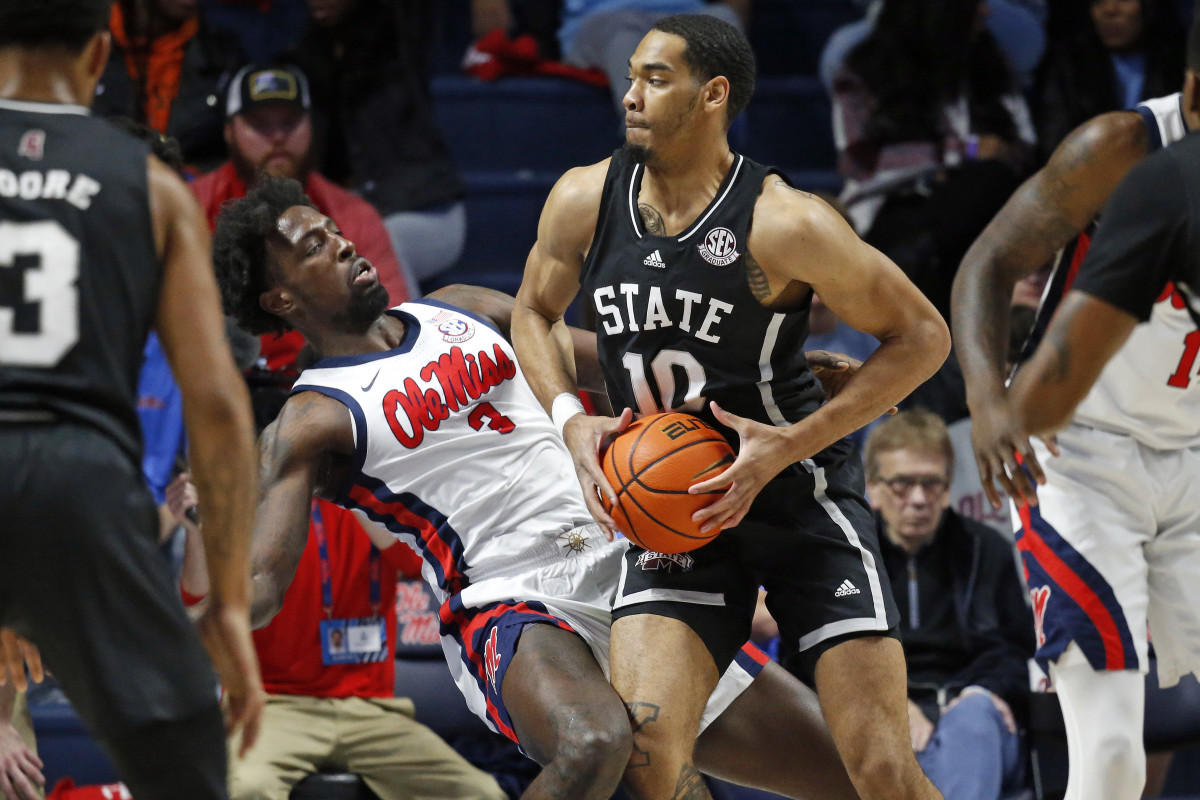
[581, 188]
[1117, 139]
[783, 210]
[310, 424]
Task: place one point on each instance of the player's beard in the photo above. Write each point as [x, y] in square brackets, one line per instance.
[364, 309]
[665, 130]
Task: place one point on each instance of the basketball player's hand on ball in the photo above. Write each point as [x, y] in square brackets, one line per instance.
[834, 371]
[763, 454]
[17, 652]
[999, 441]
[225, 631]
[586, 436]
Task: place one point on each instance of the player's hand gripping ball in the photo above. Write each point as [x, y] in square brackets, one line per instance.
[650, 466]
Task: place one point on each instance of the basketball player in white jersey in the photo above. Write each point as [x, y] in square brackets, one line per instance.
[1106, 544]
[419, 419]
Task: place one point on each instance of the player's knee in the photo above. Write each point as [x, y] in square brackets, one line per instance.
[1121, 759]
[877, 772]
[594, 745]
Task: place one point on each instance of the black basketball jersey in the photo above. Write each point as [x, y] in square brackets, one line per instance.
[79, 275]
[677, 324]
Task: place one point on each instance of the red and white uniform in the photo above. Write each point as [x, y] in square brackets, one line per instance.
[456, 457]
[1114, 542]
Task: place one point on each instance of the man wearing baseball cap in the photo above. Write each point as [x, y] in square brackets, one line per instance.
[268, 129]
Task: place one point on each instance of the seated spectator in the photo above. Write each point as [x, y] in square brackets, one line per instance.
[268, 129]
[1124, 52]
[604, 33]
[369, 61]
[1016, 24]
[20, 768]
[932, 136]
[328, 665]
[965, 626]
[168, 70]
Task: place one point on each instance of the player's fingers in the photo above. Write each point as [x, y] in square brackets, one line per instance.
[725, 418]
[1020, 478]
[714, 484]
[251, 725]
[894, 410]
[985, 481]
[595, 475]
[592, 500]
[33, 659]
[1030, 459]
[1051, 443]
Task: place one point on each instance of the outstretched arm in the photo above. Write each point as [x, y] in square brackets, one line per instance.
[295, 452]
[1045, 213]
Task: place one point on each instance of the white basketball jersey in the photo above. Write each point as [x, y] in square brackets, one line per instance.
[1150, 390]
[455, 456]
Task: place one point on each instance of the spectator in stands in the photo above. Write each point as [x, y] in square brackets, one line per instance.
[369, 62]
[932, 136]
[1124, 52]
[20, 768]
[268, 129]
[168, 70]
[966, 629]
[328, 664]
[1016, 24]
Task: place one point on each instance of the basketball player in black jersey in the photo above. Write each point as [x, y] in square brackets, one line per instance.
[99, 242]
[701, 266]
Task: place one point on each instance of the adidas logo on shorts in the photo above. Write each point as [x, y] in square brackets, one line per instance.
[847, 588]
[654, 260]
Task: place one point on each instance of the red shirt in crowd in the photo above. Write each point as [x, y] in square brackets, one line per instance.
[289, 649]
[357, 218]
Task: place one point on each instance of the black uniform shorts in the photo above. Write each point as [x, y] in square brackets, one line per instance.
[82, 577]
[809, 540]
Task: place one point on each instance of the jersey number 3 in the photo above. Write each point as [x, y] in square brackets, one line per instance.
[39, 301]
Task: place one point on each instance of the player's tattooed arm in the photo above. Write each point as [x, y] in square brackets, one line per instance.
[760, 285]
[295, 456]
[652, 219]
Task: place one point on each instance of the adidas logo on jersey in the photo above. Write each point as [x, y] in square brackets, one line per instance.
[654, 260]
[847, 588]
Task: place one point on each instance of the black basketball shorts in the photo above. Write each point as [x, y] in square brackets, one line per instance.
[81, 576]
[809, 540]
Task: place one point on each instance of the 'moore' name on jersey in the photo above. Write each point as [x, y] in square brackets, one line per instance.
[454, 454]
[1150, 389]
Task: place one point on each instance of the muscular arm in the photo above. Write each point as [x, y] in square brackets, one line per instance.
[867, 291]
[294, 454]
[216, 403]
[551, 282]
[1046, 212]
[1085, 334]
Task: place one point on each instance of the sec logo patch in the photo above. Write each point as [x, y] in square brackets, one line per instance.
[456, 331]
[719, 247]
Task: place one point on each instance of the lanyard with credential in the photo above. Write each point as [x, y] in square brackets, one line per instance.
[327, 569]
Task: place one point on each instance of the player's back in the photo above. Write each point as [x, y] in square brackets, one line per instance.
[79, 275]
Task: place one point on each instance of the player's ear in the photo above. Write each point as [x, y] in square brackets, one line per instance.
[276, 301]
[715, 94]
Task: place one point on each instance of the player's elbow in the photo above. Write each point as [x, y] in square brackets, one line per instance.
[933, 337]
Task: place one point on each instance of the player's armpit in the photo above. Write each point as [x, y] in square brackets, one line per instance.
[295, 453]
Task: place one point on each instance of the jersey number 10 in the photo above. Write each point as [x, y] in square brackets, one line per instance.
[662, 374]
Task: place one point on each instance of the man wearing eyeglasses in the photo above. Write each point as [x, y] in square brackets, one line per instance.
[965, 626]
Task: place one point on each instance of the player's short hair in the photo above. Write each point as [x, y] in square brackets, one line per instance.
[714, 47]
[244, 227]
[68, 24]
[914, 429]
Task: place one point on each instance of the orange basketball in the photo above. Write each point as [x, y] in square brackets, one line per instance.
[650, 466]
